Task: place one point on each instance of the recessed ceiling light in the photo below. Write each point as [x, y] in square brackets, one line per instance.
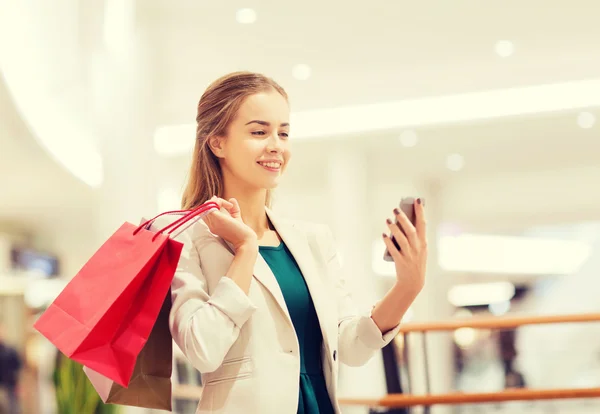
[496, 254]
[245, 16]
[409, 138]
[301, 71]
[465, 337]
[504, 48]
[586, 120]
[474, 294]
[455, 162]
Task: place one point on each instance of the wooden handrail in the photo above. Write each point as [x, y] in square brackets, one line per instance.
[408, 400]
[501, 322]
[403, 400]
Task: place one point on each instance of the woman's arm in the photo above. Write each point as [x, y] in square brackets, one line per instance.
[359, 337]
[242, 266]
[410, 262]
[206, 326]
[389, 311]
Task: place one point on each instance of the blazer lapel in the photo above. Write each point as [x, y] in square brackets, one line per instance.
[298, 245]
[264, 275]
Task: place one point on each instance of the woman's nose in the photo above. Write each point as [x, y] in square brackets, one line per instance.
[275, 144]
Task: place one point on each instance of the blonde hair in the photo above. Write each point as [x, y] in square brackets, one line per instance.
[216, 109]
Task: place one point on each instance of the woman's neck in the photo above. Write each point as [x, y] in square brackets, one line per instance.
[252, 206]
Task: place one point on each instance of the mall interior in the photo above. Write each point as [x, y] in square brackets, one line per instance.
[486, 110]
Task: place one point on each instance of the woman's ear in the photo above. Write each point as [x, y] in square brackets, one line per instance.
[215, 144]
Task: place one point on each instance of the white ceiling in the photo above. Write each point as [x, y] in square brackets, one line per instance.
[34, 189]
[365, 53]
[383, 51]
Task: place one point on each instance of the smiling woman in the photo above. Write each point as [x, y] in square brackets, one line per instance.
[259, 303]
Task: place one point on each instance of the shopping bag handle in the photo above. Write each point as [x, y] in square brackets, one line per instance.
[198, 211]
[145, 223]
[209, 205]
[201, 211]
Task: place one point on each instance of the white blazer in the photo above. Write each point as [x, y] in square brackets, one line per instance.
[245, 346]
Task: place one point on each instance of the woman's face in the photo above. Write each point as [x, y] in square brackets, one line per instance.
[256, 149]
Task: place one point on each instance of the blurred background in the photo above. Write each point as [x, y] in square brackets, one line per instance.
[488, 110]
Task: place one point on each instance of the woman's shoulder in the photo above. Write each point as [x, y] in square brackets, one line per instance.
[319, 236]
[315, 232]
[310, 226]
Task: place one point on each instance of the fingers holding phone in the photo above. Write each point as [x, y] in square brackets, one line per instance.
[421, 222]
[397, 235]
[408, 217]
[406, 245]
[406, 226]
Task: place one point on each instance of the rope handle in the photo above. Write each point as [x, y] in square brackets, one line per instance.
[198, 213]
[201, 211]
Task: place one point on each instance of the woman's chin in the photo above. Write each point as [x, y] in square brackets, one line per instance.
[271, 184]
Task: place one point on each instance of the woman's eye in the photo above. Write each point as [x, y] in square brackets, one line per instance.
[258, 133]
[284, 134]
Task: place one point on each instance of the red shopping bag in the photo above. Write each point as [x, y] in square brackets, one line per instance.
[105, 314]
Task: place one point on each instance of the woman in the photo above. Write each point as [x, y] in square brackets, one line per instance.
[259, 305]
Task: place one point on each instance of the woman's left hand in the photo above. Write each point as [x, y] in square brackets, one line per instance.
[411, 259]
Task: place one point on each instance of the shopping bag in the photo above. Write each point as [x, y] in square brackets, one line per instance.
[150, 384]
[104, 316]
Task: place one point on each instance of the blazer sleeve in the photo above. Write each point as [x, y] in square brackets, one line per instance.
[204, 326]
[359, 338]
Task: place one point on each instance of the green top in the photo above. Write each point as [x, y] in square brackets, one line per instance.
[314, 398]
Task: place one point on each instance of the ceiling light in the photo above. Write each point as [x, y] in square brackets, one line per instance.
[475, 294]
[481, 253]
[455, 162]
[465, 337]
[245, 16]
[301, 71]
[449, 109]
[493, 254]
[409, 138]
[504, 48]
[586, 120]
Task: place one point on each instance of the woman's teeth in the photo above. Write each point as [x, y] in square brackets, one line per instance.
[270, 164]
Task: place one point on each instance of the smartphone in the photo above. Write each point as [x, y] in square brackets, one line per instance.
[407, 205]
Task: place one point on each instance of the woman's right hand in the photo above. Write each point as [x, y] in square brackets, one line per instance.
[229, 224]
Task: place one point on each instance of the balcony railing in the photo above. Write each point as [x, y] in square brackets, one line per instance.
[525, 394]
